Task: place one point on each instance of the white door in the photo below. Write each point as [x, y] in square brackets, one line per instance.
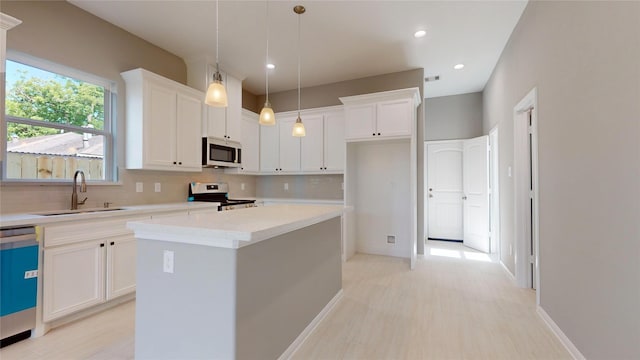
[121, 265]
[394, 118]
[233, 121]
[334, 145]
[360, 121]
[250, 143]
[476, 193]
[160, 131]
[444, 190]
[269, 148]
[188, 130]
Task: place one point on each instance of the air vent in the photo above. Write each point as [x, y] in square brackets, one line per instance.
[432, 78]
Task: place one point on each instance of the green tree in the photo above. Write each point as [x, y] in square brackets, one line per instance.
[59, 100]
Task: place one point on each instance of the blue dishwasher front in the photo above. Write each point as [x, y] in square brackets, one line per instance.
[18, 280]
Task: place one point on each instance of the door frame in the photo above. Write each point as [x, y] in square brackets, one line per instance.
[522, 196]
[494, 188]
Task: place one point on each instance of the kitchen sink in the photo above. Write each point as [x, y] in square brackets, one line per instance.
[79, 211]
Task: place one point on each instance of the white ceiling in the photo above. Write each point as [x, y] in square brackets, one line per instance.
[340, 40]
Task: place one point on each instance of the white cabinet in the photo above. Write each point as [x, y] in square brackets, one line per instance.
[388, 115]
[163, 123]
[84, 268]
[250, 143]
[225, 123]
[323, 149]
[73, 278]
[279, 150]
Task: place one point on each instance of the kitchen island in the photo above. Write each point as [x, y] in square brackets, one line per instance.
[241, 284]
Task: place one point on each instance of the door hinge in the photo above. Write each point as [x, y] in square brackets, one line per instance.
[530, 194]
[531, 259]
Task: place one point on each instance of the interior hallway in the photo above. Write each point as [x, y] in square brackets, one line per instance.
[458, 303]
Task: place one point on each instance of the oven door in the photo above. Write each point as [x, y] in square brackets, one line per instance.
[218, 153]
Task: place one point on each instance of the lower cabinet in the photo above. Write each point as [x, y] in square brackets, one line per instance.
[82, 274]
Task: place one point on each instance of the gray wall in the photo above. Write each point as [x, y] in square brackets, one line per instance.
[60, 32]
[584, 59]
[453, 117]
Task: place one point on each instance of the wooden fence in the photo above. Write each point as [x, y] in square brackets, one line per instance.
[39, 166]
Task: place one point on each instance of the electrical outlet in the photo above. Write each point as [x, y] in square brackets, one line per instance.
[167, 263]
[157, 187]
[286, 186]
[391, 239]
[242, 186]
[139, 187]
[30, 274]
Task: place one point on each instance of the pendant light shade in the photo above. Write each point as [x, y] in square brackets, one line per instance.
[216, 93]
[267, 117]
[298, 128]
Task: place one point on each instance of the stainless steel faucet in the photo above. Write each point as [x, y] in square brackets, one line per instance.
[83, 188]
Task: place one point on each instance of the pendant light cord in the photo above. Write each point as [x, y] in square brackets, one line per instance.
[267, 59]
[217, 31]
[298, 65]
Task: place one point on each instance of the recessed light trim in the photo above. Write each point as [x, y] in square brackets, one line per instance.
[419, 33]
[459, 66]
[271, 66]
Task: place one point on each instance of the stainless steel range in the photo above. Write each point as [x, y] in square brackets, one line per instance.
[217, 192]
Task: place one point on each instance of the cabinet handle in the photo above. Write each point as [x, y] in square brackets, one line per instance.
[378, 134]
[174, 163]
[374, 134]
[180, 163]
[102, 245]
[113, 243]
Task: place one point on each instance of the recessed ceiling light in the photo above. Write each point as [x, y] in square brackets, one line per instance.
[271, 66]
[419, 33]
[459, 66]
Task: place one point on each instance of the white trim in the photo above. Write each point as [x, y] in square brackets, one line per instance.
[495, 191]
[297, 343]
[523, 274]
[506, 269]
[7, 22]
[572, 349]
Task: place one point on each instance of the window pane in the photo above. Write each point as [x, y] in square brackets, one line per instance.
[36, 152]
[37, 94]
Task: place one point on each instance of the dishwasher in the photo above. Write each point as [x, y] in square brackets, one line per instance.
[18, 283]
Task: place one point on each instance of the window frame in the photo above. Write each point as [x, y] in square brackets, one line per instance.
[109, 125]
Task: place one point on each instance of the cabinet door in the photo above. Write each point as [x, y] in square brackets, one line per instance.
[289, 146]
[121, 265]
[73, 278]
[234, 110]
[312, 145]
[269, 148]
[159, 127]
[217, 116]
[189, 144]
[360, 121]
[395, 118]
[334, 143]
[250, 144]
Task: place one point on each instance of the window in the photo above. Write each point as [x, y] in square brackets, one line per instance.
[58, 120]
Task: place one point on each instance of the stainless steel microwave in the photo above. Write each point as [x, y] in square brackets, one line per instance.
[221, 153]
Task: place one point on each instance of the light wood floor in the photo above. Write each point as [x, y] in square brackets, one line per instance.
[457, 304]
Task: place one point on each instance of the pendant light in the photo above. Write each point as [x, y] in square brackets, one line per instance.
[267, 117]
[298, 127]
[216, 93]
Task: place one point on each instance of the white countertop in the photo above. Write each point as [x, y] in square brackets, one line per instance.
[36, 219]
[236, 228]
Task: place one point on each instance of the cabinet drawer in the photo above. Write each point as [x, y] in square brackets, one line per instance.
[75, 232]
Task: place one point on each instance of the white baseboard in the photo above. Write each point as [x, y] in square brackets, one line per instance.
[506, 269]
[295, 345]
[572, 349]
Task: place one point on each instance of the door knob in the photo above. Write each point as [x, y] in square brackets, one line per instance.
[430, 195]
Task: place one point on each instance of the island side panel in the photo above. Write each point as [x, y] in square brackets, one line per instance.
[283, 283]
[190, 313]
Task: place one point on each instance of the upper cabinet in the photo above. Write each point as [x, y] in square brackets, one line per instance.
[384, 115]
[250, 140]
[163, 122]
[279, 151]
[226, 123]
[323, 148]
